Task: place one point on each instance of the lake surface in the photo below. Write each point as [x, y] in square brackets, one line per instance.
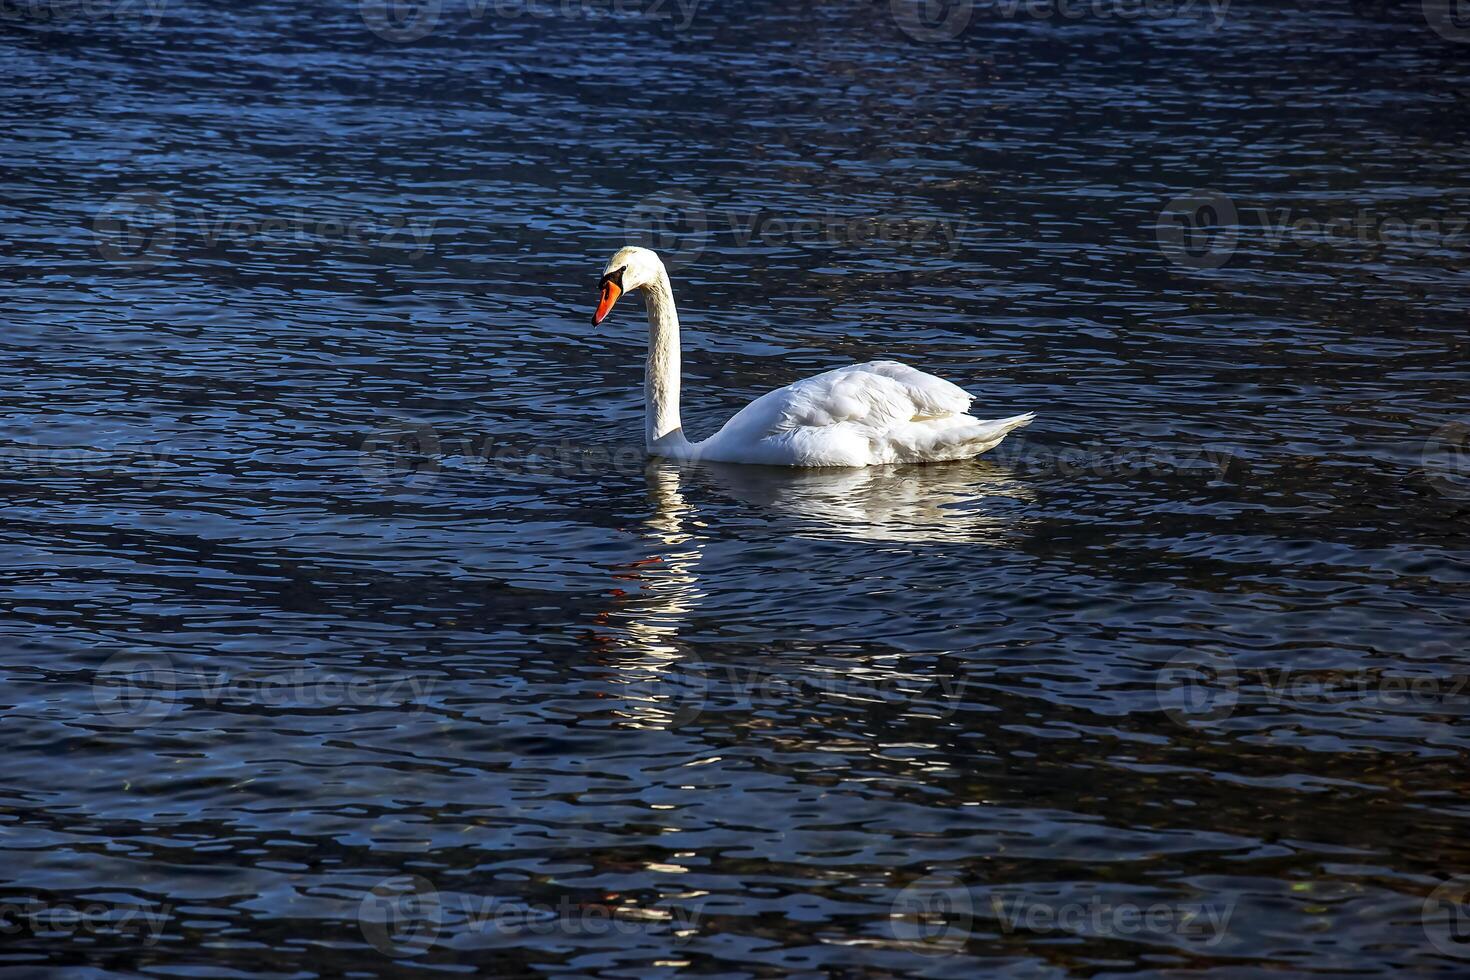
[347, 631]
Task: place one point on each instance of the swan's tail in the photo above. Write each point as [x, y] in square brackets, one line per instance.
[986, 434]
[995, 429]
[969, 438]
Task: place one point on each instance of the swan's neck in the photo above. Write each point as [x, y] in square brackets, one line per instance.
[662, 428]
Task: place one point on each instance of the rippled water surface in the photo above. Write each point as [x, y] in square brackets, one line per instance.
[347, 631]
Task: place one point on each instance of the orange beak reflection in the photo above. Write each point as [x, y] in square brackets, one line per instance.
[610, 293]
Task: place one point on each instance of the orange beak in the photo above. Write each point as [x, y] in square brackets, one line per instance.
[610, 293]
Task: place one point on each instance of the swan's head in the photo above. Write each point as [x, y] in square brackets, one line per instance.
[632, 268]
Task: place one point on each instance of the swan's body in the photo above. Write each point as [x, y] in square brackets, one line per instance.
[866, 414]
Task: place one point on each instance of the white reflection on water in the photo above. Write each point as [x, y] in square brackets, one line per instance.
[667, 580]
[972, 501]
[659, 684]
[660, 680]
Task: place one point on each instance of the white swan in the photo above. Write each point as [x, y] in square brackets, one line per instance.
[866, 414]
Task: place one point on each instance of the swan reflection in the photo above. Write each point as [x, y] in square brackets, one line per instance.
[659, 679]
[966, 501]
[667, 586]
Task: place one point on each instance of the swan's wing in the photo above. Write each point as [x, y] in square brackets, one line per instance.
[879, 412]
[878, 394]
[932, 397]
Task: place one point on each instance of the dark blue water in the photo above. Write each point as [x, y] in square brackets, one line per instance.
[347, 632]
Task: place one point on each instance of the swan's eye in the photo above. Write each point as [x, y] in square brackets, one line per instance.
[615, 277]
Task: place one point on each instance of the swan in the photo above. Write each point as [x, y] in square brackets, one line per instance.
[862, 415]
